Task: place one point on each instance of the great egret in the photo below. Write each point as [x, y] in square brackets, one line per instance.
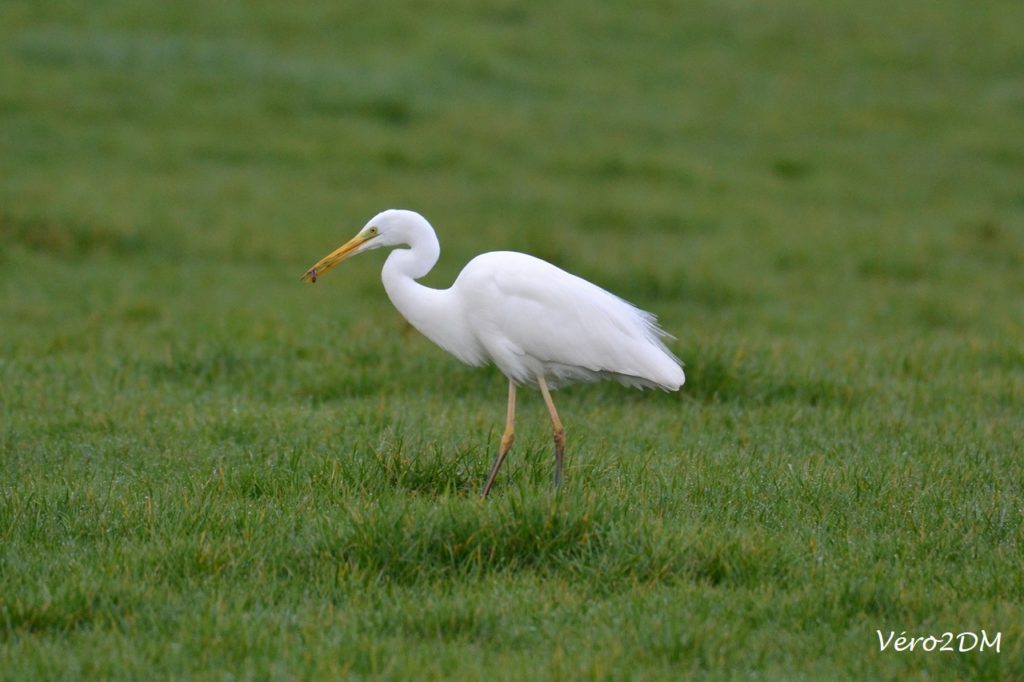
[537, 323]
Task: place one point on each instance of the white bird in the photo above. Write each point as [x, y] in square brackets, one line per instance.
[537, 323]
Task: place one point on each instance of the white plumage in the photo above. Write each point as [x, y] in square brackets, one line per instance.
[539, 324]
[534, 319]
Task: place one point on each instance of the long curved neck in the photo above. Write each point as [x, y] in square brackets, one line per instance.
[436, 313]
[418, 259]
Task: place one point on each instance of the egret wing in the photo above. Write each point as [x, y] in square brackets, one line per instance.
[573, 329]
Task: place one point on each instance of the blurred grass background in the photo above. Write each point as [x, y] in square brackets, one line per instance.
[209, 469]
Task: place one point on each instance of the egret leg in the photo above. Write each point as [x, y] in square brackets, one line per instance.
[559, 431]
[507, 439]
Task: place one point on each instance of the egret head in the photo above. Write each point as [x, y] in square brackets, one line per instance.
[388, 228]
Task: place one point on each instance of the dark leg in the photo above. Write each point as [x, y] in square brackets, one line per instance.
[559, 431]
[507, 439]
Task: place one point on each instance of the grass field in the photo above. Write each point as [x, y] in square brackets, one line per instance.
[212, 471]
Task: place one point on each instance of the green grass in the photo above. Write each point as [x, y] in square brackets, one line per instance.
[212, 471]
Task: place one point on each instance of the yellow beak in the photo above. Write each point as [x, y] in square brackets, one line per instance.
[333, 258]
